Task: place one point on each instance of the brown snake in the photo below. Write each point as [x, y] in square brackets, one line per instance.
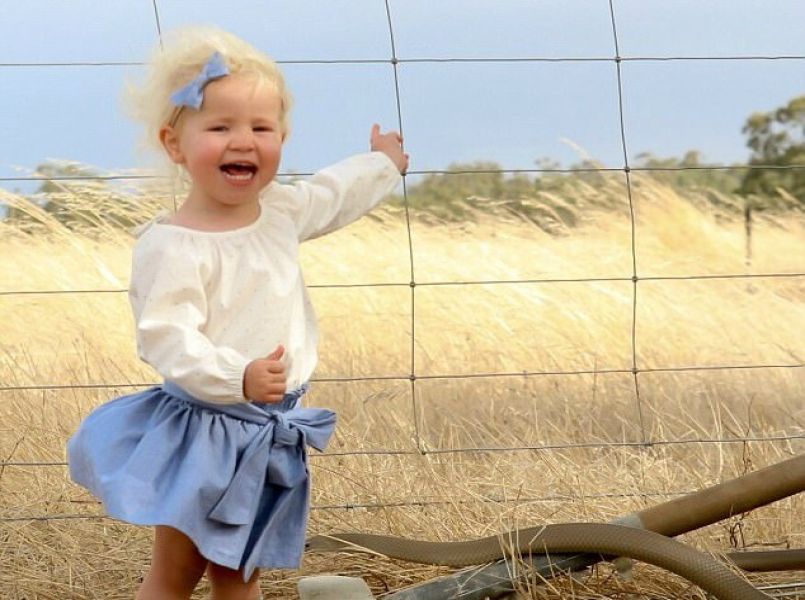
[597, 538]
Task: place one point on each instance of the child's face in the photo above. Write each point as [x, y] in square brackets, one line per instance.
[232, 146]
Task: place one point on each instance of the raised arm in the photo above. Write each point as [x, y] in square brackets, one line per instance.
[342, 193]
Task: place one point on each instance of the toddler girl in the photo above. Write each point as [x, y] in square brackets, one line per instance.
[215, 457]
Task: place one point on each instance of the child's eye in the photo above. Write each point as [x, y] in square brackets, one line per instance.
[218, 128]
[263, 128]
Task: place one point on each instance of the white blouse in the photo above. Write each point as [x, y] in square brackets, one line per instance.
[208, 303]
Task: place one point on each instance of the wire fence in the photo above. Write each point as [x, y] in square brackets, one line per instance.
[634, 370]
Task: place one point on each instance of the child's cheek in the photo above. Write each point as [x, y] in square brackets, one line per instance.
[209, 152]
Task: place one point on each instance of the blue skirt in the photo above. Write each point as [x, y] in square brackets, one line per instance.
[234, 478]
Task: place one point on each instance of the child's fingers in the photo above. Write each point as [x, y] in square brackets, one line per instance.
[275, 366]
[277, 353]
[394, 135]
[277, 389]
[273, 393]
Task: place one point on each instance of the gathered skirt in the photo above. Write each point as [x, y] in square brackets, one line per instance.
[234, 478]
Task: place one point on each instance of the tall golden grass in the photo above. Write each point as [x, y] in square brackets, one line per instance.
[406, 457]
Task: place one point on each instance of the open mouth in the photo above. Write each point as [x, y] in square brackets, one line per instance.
[239, 171]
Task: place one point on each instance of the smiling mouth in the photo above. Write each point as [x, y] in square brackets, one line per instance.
[239, 171]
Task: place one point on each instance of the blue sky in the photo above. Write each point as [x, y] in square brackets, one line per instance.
[510, 112]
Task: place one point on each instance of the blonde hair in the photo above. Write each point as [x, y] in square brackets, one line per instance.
[180, 60]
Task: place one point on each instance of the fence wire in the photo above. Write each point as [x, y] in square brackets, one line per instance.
[634, 370]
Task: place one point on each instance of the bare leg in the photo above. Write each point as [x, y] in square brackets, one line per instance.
[228, 584]
[176, 567]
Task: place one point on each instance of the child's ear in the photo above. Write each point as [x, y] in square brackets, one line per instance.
[170, 141]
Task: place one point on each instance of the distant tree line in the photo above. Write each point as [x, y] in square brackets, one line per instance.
[773, 178]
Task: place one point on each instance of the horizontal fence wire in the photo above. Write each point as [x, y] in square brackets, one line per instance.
[421, 377]
[413, 503]
[489, 449]
[446, 172]
[702, 277]
[416, 60]
[634, 370]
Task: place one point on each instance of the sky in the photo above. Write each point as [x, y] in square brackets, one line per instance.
[511, 112]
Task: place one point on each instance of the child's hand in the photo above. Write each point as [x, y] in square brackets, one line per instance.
[264, 378]
[391, 145]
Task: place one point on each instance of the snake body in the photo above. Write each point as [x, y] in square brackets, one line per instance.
[597, 538]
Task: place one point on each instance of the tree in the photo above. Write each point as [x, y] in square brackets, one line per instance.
[689, 172]
[777, 139]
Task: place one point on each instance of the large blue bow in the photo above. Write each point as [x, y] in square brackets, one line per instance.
[193, 93]
[275, 454]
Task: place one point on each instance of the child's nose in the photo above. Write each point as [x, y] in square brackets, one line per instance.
[242, 138]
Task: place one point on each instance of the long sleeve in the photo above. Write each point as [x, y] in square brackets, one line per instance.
[342, 193]
[167, 295]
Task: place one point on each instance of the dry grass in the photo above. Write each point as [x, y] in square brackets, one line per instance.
[86, 339]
